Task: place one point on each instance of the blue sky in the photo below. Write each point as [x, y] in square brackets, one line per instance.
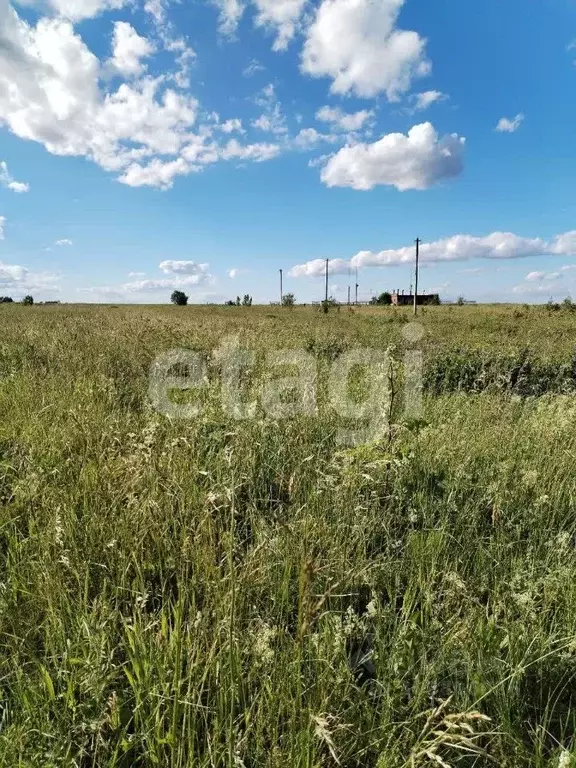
[148, 145]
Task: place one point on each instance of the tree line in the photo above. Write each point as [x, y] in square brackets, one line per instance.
[28, 300]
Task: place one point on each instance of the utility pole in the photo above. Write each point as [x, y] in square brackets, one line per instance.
[348, 295]
[326, 297]
[416, 283]
[356, 302]
[281, 289]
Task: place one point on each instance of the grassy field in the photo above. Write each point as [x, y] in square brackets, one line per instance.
[220, 593]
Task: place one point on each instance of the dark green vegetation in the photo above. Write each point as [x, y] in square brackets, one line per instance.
[179, 298]
[220, 593]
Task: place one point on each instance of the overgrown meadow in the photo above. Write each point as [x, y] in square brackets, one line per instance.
[252, 594]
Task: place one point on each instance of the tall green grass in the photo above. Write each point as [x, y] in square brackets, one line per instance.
[219, 593]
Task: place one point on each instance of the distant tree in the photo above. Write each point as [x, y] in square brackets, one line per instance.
[179, 298]
[6, 300]
[435, 301]
[247, 301]
[238, 302]
[230, 303]
[385, 299]
[28, 300]
[329, 304]
[460, 301]
[568, 304]
[288, 300]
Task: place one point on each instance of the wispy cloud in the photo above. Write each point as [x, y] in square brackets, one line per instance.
[506, 125]
[7, 181]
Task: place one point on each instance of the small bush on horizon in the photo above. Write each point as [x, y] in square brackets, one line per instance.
[179, 298]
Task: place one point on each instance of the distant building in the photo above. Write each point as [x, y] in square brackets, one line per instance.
[407, 299]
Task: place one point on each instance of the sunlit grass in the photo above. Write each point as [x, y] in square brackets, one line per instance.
[224, 593]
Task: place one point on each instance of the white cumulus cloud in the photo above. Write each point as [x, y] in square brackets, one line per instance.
[536, 277]
[272, 119]
[505, 125]
[414, 161]
[231, 12]
[50, 93]
[8, 182]
[343, 121]
[76, 10]
[232, 126]
[317, 268]
[63, 242]
[156, 173]
[14, 277]
[11, 274]
[180, 274]
[309, 137]
[157, 9]
[162, 284]
[425, 99]
[258, 152]
[282, 16]
[128, 50]
[357, 44]
[497, 246]
[183, 268]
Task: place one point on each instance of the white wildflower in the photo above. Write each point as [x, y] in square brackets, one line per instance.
[263, 639]
[372, 609]
[455, 580]
[58, 530]
[141, 600]
[563, 540]
[530, 477]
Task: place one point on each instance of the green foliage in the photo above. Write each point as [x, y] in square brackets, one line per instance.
[246, 302]
[179, 298]
[6, 300]
[288, 300]
[329, 304]
[28, 301]
[216, 593]
[384, 299]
